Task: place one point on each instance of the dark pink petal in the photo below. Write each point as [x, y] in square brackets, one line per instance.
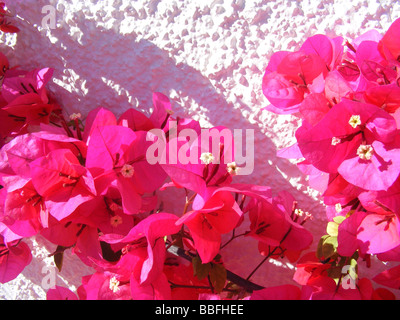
[370, 61]
[135, 120]
[283, 95]
[60, 293]
[336, 87]
[162, 109]
[301, 67]
[321, 46]
[98, 117]
[389, 278]
[314, 107]
[389, 45]
[13, 260]
[386, 97]
[159, 289]
[153, 228]
[347, 235]
[107, 147]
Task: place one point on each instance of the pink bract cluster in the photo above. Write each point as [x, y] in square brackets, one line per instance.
[348, 97]
[92, 187]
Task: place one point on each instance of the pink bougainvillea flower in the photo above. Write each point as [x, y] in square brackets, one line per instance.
[337, 88]
[117, 155]
[198, 164]
[63, 183]
[187, 285]
[22, 211]
[162, 110]
[308, 268]
[104, 286]
[14, 257]
[383, 202]
[32, 82]
[325, 288]
[98, 117]
[6, 26]
[135, 120]
[289, 77]
[219, 215]
[27, 110]
[60, 293]
[357, 140]
[314, 107]
[386, 97]
[371, 233]
[389, 46]
[284, 292]
[389, 278]
[329, 50]
[15, 157]
[372, 65]
[149, 234]
[275, 224]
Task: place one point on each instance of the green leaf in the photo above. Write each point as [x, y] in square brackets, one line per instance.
[332, 228]
[339, 219]
[200, 270]
[58, 257]
[329, 246]
[218, 276]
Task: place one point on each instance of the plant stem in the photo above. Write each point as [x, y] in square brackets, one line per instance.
[246, 284]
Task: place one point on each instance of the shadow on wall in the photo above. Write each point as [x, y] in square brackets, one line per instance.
[101, 67]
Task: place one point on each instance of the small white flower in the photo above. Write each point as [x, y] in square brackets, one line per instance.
[232, 168]
[116, 220]
[299, 212]
[207, 157]
[127, 171]
[114, 284]
[335, 141]
[75, 116]
[338, 207]
[355, 121]
[365, 152]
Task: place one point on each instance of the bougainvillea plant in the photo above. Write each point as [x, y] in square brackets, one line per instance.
[92, 186]
[347, 95]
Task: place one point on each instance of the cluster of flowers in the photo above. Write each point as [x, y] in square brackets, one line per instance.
[348, 97]
[92, 187]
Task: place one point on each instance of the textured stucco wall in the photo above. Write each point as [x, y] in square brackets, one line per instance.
[208, 57]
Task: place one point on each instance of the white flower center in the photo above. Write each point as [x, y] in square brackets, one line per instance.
[114, 283]
[75, 116]
[207, 157]
[232, 168]
[116, 220]
[365, 152]
[127, 171]
[355, 121]
[335, 141]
